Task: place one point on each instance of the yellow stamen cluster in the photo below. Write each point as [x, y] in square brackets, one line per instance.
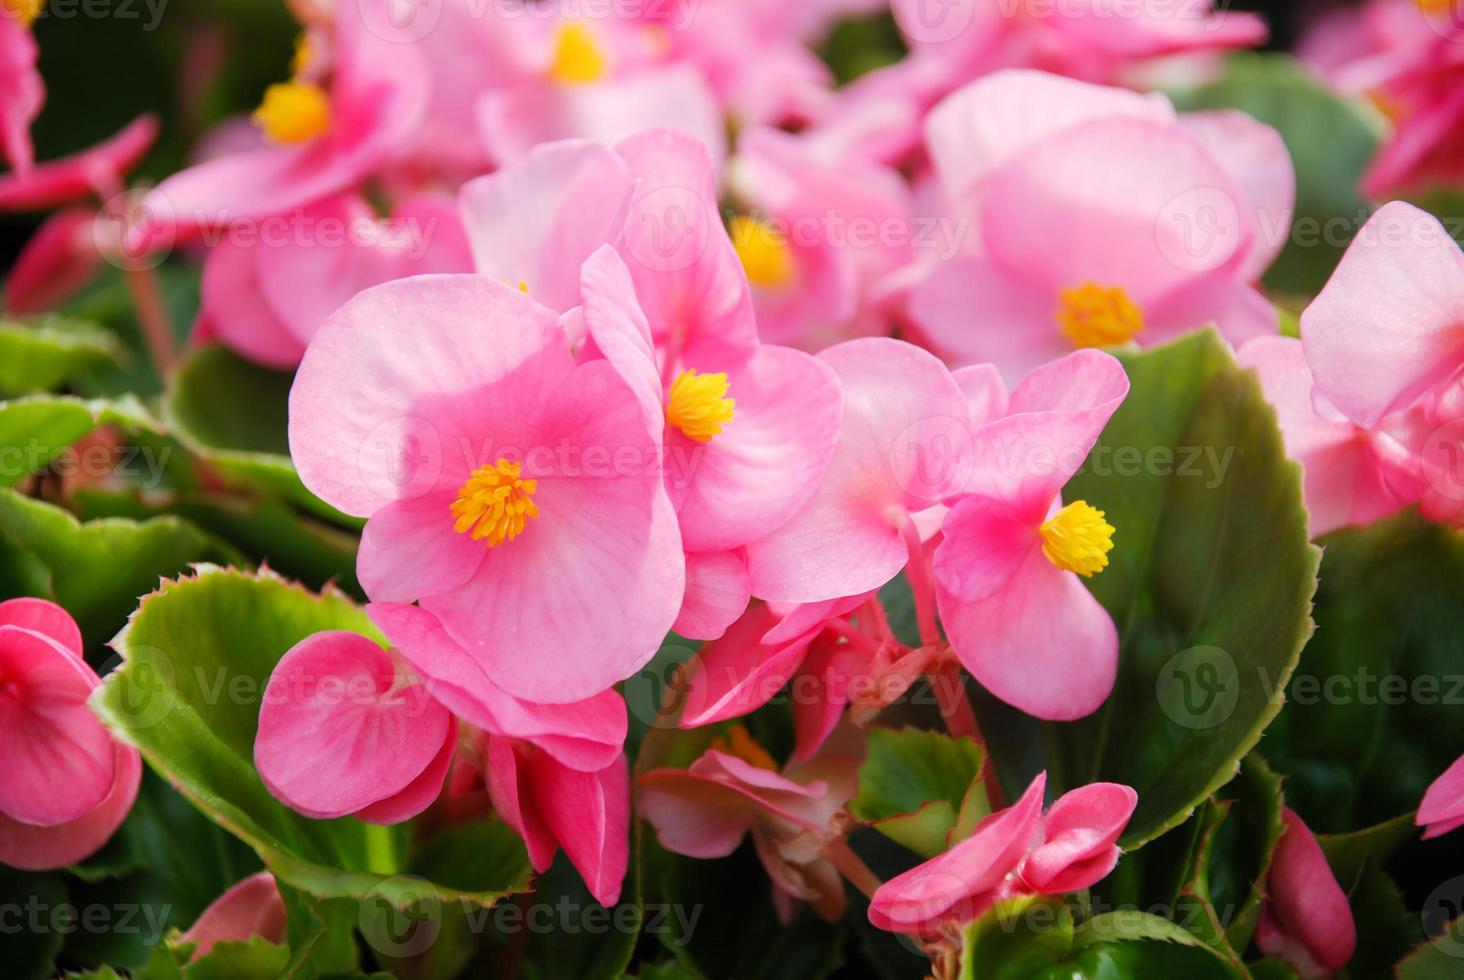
[765, 254]
[293, 112]
[25, 11]
[698, 404]
[495, 503]
[1091, 315]
[1078, 539]
[1435, 6]
[578, 57]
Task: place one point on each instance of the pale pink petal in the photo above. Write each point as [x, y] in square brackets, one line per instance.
[1442, 808]
[693, 815]
[1237, 309]
[986, 395]
[409, 550]
[343, 727]
[614, 321]
[32, 848]
[251, 907]
[717, 592]
[1388, 325]
[1042, 644]
[983, 543]
[1080, 838]
[233, 305]
[974, 311]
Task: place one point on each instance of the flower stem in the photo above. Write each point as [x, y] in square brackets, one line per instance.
[960, 720]
[917, 570]
[153, 319]
[851, 866]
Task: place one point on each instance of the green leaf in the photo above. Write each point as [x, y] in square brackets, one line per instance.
[1437, 959]
[234, 414]
[1347, 853]
[1372, 716]
[34, 430]
[45, 355]
[95, 569]
[1386, 929]
[196, 656]
[1331, 142]
[1209, 583]
[252, 960]
[913, 783]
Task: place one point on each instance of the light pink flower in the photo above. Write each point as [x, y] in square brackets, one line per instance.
[516, 495]
[1016, 851]
[251, 907]
[1442, 808]
[552, 806]
[266, 297]
[1305, 919]
[707, 810]
[347, 728]
[1096, 217]
[68, 785]
[1007, 567]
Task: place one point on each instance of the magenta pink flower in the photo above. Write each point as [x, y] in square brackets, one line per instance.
[347, 728]
[552, 806]
[56, 263]
[265, 297]
[707, 810]
[516, 495]
[1099, 218]
[1008, 565]
[22, 92]
[68, 785]
[251, 907]
[1306, 919]
[1013, 852]
[94, 172]
[1442, 808]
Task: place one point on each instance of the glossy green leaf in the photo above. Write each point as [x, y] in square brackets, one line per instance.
[1211, 613]
[44, 355]
[1441, 958]
[913, 784]
[196, 656]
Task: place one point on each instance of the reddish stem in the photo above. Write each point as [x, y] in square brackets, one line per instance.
[851, 866]
[960, 720]
[152, 317]
[917, 570]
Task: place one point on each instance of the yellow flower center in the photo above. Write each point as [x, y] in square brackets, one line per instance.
[1435, 6]
[1091, 315]
[698, 404]
[739, 742]
[25, 11]
[765, 254]
[1078, 539]
[578, 57]
[293, 112]
[304, 54]
[495, 504]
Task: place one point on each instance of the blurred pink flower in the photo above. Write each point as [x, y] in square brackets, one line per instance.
[1305, 919]
[96, 171]
[22, 91]
[252, 907]
[68, 784]
[1442, 808]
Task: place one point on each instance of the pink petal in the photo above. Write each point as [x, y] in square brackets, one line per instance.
[1387, 326]
[738, 673]
[693, 815]
[233, 304]
[1237, 309]
[617, 326]
[408, 550]
[44, 617]
[986, 396]
[252, 907]
[57, 756]
[24, 93]
[417, 795]
[1042, 644]
[94, 172]
[1081, 833]
[983, 543]
[506, 771]
[589, 814]
[537, 220]
[342, 728]
[55, 264]
[1442, 808]
[1014, 324]
[958, 885]
[1304, 899]
[32, 848]
[585, 735]
[717, 592]
[897, 452]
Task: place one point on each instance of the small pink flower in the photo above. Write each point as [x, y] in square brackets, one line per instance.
[1016, 851]
[265, 299]
[706, 811]
[1306, 919]
[516, 495]
[1097, 217]
[1007, 568]
[68, 785]
[251, 907]
[552, 806]
[346, 728]
[1442, 808]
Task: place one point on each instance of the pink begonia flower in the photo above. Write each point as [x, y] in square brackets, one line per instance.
[1007, 568]
[265, 297]
[516, 495]
[1407, 57]
[901, 406]
[55, 264]
[1442, 809]
[321, 137]
[585, 735]
[22, 91]
[598, 78]
[552, 806]
[717, 590]
[251, 907]
[96, 171]
[821, 236]
[1099, 218]
[1013, 852]
[706, 811]
[1305, 919]
[348, 728]
[1353, 475]
[68, 784]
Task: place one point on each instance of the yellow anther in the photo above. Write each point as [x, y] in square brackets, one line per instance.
[578, 57]
[1078, 539]
[766, 255]
[495, 503]
[293, 112]
[1091, 315]
[698, 404]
